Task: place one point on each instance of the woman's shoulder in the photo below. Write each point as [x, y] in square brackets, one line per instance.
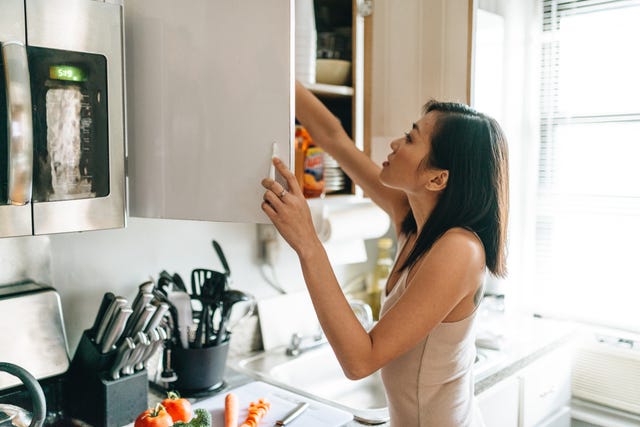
[463, 241]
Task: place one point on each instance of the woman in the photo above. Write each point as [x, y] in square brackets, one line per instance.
[445, 187]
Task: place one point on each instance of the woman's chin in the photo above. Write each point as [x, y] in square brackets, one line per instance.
[383, 179]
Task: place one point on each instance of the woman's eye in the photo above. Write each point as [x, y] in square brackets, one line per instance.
[407, 136]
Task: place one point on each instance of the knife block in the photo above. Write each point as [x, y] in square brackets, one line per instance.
[93, 397]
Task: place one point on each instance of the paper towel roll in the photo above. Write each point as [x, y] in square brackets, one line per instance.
[360, 222]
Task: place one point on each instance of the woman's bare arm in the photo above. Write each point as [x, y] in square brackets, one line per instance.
[327, 132]
[441, 280]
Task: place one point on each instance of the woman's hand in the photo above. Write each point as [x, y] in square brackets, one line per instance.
[288, 210]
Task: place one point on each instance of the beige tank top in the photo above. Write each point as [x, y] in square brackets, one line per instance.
[432, 384]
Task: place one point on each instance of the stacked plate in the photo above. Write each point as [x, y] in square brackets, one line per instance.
[305, 42]
[334, 177]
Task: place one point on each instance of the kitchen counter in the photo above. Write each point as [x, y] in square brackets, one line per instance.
[527, 339]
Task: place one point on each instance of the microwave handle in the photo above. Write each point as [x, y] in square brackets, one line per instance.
[18, 87]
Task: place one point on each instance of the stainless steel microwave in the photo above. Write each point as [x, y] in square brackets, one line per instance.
[62, 129]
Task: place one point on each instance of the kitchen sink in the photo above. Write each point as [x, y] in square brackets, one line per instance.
[317, 374]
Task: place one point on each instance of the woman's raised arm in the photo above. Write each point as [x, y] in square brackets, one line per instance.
[327, 132]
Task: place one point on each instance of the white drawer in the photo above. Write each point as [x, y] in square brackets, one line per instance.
[546, 387]
[499, 404]
[561, 418]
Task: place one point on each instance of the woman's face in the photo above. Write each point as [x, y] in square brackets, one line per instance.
[404, 168]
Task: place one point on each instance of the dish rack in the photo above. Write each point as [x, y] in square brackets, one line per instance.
[606, 371]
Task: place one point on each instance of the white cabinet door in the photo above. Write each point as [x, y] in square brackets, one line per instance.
[561, 418]
[499, 404]
[209, 89]
[546, 387]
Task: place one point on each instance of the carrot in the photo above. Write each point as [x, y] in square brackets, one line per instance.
[256, 412]
[231, 410]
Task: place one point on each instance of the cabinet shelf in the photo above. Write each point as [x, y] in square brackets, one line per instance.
[327, 90]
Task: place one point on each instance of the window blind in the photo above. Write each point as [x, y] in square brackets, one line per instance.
[587, 232]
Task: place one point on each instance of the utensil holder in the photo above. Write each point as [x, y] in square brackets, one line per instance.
[93, 397]
[199, 370]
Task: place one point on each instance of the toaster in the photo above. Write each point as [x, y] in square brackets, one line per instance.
[32, 331]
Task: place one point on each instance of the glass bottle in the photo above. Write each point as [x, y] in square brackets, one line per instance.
[381, 272]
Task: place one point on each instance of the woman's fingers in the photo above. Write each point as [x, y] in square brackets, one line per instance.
[273, 199]
[292, 182]
[267, 208]
[274, 187]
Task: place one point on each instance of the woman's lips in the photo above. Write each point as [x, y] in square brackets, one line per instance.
[385, 163]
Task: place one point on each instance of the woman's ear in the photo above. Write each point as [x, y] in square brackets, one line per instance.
[438, 181]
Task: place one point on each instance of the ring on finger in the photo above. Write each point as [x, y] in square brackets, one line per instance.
[282, 193]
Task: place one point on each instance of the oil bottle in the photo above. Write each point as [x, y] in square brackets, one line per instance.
[381, 272]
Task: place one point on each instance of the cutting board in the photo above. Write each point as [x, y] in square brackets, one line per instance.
[282, 402]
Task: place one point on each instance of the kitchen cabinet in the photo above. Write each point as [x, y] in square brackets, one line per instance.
[536, 396]
[546, 390]
[344, 32]
[209, 90]
[421, 50]
[499, 404]
[210, 87]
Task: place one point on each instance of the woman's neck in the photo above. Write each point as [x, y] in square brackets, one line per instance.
[422, 207]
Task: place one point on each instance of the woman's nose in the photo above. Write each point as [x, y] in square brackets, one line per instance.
[394, 144]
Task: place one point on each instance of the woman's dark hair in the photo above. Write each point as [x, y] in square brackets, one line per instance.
[472, 147]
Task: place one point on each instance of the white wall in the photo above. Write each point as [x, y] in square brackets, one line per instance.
[86, 265]
[83, 266]
[23, 257]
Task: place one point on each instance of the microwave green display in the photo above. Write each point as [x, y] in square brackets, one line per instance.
[67, 72]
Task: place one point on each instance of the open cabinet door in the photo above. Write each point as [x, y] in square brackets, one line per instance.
[209, 90]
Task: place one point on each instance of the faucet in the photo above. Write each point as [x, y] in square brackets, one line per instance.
[296, 348]
[362, 311]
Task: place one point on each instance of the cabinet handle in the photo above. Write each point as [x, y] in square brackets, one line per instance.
[547, 392]
[20, 123]
[365, 7]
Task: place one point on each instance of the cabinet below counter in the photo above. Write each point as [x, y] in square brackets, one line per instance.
[531, 386]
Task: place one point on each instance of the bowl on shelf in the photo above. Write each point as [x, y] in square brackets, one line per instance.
[333, 71]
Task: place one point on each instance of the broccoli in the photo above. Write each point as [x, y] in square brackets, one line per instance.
[202, 418]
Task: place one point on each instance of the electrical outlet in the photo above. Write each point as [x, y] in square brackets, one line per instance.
[267, 232]
[268, 243]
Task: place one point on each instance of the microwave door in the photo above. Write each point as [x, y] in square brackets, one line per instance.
[16, 148]
[76, 69]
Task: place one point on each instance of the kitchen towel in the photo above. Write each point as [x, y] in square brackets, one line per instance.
[359, 222]
[343, 230]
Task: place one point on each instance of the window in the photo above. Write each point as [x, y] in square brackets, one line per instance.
[586, 264]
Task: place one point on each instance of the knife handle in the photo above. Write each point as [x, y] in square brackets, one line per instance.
[143, 288]
[124, 351]
[157, 316]
[293, 414]
[108, 316]
[115, 329]
[104, 304]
